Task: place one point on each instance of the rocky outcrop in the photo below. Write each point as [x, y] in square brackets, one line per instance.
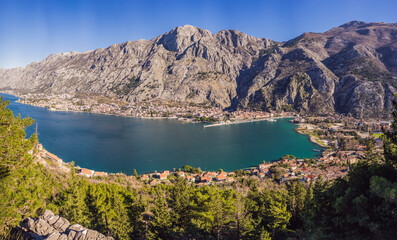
[53, 227]
[338, 70]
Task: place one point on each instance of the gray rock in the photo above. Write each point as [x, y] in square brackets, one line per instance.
[47, 214]
[91, 235]
[81, 235]
[61, 225]
[28, 224]
[52, 227]
[71, 234]
[76, 227]
[53, 236]
[43, 228]
[63, 237]
[53, 219]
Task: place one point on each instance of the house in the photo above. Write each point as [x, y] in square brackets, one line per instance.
[190, 178]
[163, 176]
[264, 166]
[153, 182]
[144, 177]
[100, 174]
[220, 178]
[211, 174]
[205, 179]
[86, 172]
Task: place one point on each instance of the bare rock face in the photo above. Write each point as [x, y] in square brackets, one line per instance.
[311, 74]
[53, 227]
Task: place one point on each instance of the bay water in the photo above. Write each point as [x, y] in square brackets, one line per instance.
[121, 144]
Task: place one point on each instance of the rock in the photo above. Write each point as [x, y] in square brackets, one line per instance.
[91, 235]
[71, 234]
[47, 214]
[53, 236]
[53, 219]
[81, 235]
[76, 227]
[61, 225]
[43, 228]
[53, 227]
[63, 237]
[28, 224]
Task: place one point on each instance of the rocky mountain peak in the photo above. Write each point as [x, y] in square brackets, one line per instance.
[354, 23]
[179, 38]
[235, 38]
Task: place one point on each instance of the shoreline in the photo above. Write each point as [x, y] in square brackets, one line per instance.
[181, 119]
[270, 119]
[311, 138]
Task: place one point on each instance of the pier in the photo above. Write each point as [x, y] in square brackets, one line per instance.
[273, 119]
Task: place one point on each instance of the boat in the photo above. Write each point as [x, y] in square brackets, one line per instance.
[316, 150]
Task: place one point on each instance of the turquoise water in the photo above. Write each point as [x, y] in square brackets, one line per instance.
[119, 144]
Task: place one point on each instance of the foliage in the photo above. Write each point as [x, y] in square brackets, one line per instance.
[22, 189]
[206, 119]
[190, 169]
[364, 204]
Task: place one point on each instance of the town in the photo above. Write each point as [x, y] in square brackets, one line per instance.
[104, 105]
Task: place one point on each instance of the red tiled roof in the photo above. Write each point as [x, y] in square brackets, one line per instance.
[86, 171]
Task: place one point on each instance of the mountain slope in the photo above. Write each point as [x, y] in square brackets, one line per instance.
[348, 69]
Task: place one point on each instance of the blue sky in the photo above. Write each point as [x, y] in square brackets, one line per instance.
[30, 30]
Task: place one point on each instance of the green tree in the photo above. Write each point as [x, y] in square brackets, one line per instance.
[135, 173]
[296, 203]
[179, 200]
[390, 140]
[161, 224]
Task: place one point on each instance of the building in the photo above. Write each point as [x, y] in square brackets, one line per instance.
[100, 174]
[86, 172]
[220, 178]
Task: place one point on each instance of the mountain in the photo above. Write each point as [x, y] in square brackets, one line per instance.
[349, 69]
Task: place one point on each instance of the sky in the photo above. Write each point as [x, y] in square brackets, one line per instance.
[30, 30]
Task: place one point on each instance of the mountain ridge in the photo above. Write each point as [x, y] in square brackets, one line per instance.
[350, 69]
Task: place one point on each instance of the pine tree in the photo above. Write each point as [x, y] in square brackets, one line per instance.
[179, 200]
[390, 140]
[162, 223]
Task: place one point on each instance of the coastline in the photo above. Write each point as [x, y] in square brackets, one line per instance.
[179, 116]
[311, 137]
[270, 119]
